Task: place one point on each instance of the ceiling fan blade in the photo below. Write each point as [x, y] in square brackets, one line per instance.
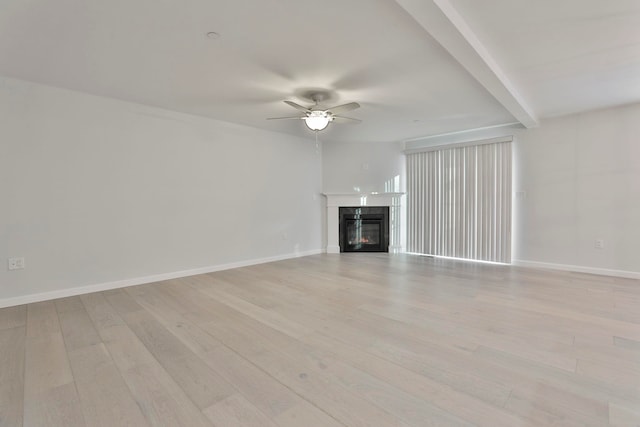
[297, 106]
[344, 107]
[285, 118]
[343, 119]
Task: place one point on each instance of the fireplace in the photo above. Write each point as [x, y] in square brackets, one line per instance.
[364, 229]
[392, 204]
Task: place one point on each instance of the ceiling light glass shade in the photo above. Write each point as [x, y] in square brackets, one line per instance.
[317, 120]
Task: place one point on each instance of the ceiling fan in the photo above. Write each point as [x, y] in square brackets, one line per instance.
[318, 118]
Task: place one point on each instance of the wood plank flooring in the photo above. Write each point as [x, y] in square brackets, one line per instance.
[331, 340]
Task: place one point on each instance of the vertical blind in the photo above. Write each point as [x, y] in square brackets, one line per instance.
[459, 202]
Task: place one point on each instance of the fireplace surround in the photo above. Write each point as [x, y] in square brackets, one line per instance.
[394, 202]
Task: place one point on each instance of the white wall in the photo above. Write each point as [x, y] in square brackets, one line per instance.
[96, 190]
[363, 167]
[580, 176]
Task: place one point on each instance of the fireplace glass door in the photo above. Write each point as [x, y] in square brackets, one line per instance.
[364, 229]
[362, 234]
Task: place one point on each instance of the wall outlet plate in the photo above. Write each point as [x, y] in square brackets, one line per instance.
[599, 244]
[16, 263]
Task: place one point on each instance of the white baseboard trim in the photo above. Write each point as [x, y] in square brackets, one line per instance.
[81, 290]
[578, 269]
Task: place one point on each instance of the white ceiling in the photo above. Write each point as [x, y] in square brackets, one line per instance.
[566, 56]
[417, 67]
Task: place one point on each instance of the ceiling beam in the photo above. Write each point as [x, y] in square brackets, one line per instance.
[443, 22]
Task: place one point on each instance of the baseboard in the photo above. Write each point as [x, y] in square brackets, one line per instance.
[81, 290]
[578, 269]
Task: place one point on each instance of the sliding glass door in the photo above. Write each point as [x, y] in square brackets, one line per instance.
[459, 202]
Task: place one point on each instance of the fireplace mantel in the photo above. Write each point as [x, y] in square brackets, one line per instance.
[337, 200]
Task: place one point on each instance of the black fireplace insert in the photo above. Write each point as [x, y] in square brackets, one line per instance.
[364, 229]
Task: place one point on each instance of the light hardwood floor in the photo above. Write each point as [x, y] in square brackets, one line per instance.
[331, 340]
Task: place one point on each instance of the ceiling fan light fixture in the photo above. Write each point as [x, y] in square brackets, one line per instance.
[317, 120]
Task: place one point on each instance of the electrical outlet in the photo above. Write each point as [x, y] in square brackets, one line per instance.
[599, 244]
[16, 263]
